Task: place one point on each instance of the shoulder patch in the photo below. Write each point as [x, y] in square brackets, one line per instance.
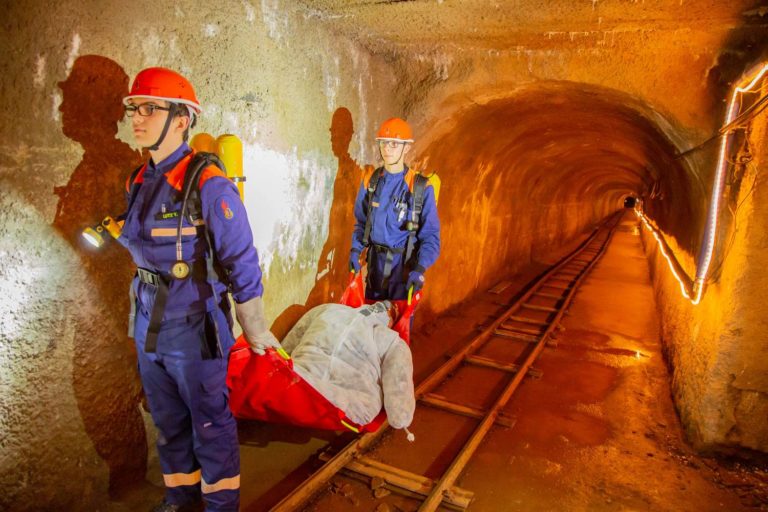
[223, 206]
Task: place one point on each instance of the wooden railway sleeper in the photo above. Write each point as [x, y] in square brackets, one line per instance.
[549, 295]
[557, 286]
[526, 320]
[441, 402]
[515, 335]
[487, 362]
[399, 479]
[540, 308]
[514, 328]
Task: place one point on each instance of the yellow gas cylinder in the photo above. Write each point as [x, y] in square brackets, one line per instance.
[203, 142]
[230, 151]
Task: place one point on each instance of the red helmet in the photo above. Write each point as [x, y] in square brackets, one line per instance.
[395, 129]
[163, 84]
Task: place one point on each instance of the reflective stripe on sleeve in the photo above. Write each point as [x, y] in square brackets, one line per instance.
[225, 484]
[177, 479]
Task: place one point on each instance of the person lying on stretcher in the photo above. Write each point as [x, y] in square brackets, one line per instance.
[353, 358]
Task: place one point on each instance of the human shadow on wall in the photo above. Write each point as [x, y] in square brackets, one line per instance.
[332, 272]
[333, 264]
[105, 380]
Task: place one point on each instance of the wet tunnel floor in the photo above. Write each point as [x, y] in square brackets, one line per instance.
[597, 432]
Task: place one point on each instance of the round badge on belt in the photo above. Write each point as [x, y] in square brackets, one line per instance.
[180, 270]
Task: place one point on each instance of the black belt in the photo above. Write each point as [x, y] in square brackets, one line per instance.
[148, 276]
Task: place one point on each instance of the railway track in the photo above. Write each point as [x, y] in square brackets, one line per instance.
[507, 347]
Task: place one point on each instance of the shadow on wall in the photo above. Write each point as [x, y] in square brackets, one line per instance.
[105, 379]
[333, 264]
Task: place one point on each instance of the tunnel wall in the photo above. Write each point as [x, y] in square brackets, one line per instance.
[717, 349]
[304, 103]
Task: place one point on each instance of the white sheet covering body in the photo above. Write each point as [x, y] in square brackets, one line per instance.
[355, 361]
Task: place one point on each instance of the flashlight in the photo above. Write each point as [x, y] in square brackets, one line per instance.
[95, 235]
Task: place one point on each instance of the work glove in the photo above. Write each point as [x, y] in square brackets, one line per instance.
[250, 315]
[415, 280]
[354, 262]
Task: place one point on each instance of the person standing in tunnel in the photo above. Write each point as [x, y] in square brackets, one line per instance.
[183, 324]
[395, 219]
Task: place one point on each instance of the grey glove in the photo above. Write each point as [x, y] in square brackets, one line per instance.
[250, 315]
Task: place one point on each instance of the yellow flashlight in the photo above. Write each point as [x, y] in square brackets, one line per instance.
[95, 235]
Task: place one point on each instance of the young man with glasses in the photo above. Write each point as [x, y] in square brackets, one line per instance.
[395, 219]
[183, 324]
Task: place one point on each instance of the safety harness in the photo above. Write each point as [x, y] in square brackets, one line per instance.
[417, 195]
[191, 209]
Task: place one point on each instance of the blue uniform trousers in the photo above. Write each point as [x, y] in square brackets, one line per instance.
[187, 397]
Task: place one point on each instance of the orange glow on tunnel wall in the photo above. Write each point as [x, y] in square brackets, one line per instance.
[711, 233]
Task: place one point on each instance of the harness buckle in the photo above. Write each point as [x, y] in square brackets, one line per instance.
[148, 277]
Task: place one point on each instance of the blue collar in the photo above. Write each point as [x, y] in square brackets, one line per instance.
[169, 163]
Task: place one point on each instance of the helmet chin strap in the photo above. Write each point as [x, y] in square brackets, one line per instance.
[173, 109]
[402, 151]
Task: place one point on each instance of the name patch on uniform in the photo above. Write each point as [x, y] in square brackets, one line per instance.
[167, 215]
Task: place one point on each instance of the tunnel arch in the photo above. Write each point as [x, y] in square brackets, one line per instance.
[529, 171]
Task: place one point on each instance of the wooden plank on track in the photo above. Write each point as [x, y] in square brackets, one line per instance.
[419, 484]
[443, 403]
[558, 286]
[515, 335]
[487, 362]
[526, 320]
[549, 295]
[539, 308]
[514, 328]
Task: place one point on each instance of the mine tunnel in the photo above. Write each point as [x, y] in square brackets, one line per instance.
[591, 336]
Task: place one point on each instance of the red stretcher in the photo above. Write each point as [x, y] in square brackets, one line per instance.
[267, 388]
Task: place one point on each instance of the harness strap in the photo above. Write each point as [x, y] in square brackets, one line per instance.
[134, 187]
[156, 317]
[193, 212]
[372, 184]
[388, 260]
[419, 186]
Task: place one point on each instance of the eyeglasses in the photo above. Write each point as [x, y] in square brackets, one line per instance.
[144, 110]
[391, 144]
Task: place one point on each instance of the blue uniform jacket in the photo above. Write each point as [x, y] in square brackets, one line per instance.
[393, 204]
[150, 231]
